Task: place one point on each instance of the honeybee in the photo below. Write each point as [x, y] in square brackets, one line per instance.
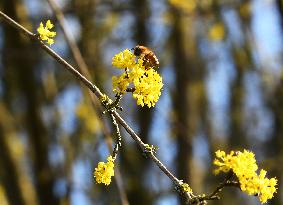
[149, 58]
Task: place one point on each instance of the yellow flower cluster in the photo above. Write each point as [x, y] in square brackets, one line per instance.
[186, 188]
[104, 171]
[44, 32]
[243, 165]
[124, 59]
[146, 83]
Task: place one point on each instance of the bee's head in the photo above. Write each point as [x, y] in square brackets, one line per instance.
[138, 50]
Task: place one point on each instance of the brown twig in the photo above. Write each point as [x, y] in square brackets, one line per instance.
[228, 182]
[218, 189]
[99, 94]
[85, 71]
[58, 58]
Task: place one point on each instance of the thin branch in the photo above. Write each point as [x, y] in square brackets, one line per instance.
[98, 93]
[69, 38]
[85, 71]
[58, 58]
[218, 189]
[118, 135]
[228, 182]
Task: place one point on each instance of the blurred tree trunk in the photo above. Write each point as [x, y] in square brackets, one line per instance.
[243, 63]
[19, 69]
[183, 132]
[90, 42]
[9, 173]
[45, 179]
[181, 101]
[275, 144]
[137, 166]
[141, 37]
[236, 134]
[189, 96]
[279, 6]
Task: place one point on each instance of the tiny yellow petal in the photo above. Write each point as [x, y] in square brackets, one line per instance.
[50, 41]
[49, 25]
[104, 171]
[44, 32]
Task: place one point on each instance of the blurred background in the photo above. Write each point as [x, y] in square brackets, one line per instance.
[221, 62]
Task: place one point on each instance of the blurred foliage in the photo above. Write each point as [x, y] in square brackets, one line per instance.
[216, 32]
[221, 65]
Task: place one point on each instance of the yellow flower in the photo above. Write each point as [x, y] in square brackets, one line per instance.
[44, 32]
[186, 188]
[147, 88]
[121, 83]
[104, 171]
[243, 165]
[146, 83]
[266, 186]
[124, 59]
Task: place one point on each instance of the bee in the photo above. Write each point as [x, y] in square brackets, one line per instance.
[148, 56]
